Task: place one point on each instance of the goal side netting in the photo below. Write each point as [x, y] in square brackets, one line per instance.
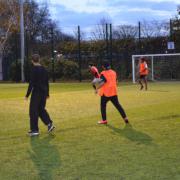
[162, 67]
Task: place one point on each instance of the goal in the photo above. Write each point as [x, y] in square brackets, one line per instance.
[161, 66]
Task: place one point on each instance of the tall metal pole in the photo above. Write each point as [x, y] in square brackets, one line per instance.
[27, 45]
[107, 43]
[22, 39]
[79, 53]
[170, 30]
[110, 55]
[139, 36]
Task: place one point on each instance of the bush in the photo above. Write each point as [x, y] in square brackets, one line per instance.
[46, 62]
[62, 69]
[15, 71]
[86, 74]
[70, 69]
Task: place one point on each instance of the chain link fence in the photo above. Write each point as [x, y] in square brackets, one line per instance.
[66, 52]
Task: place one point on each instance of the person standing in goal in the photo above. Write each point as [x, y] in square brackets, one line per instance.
[143, 72]
[39, 87]
[108, 92]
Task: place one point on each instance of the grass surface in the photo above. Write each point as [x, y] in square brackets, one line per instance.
[81, 149]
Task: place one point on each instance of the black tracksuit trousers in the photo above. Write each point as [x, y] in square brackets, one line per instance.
[37, 109]
[114, 100]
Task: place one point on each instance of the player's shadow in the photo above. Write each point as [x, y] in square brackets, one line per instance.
[133, 134]
[45, 156]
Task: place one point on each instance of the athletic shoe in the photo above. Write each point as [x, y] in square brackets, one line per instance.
[102, 122]
[50, 127]
[126, 121]
[33, 133]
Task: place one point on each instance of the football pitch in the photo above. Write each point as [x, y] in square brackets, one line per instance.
[78, 149]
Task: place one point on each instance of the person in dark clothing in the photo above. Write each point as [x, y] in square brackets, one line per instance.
[39, 90]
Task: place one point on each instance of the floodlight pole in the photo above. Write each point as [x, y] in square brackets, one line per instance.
[22, 39]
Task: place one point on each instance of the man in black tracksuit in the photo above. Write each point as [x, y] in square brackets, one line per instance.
[39, 86]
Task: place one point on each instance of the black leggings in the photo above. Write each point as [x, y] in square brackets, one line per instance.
[114, 100]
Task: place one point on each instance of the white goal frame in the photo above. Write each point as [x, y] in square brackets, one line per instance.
[151, 56]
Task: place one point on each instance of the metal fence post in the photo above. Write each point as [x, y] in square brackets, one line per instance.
[79, 53]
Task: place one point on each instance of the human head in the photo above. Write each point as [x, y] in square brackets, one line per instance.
[35, 58]
[142, 59]
[90, 65]
[106, 65]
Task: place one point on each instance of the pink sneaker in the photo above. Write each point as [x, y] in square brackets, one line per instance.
[102, 122]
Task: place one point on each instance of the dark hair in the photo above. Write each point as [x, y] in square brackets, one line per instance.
[143, 59]
[36, 58]
[90, 64]
[106, 64]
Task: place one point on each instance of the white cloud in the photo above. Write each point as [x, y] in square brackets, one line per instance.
[94, 6]
[88, 6]
[153, 12]
[118, 10]
[158, 1]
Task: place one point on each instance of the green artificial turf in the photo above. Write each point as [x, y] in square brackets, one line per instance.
[149, 149]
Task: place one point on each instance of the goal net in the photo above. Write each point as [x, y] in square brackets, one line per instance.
[161, 67]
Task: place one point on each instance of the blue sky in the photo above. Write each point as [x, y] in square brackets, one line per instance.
[86, 13]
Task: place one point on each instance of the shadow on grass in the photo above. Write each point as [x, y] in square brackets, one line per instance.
[133, 134]
[76, 128]
[157, 90]
[169, 117]
[45, 156]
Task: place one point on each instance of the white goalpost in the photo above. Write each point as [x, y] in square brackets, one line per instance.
[161, 66]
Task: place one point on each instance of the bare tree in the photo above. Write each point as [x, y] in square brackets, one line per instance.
[125, 32]
[8, 24]
[100, 30]
[154, 28]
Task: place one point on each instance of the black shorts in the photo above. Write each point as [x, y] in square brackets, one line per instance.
[143, 76]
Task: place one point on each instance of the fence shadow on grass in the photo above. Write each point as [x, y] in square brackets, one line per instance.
[163, 91]
[169, 117]
[45, 156]
[132, 134]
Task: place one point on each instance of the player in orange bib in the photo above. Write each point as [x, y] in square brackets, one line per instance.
[108, 92]
[143, 72]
